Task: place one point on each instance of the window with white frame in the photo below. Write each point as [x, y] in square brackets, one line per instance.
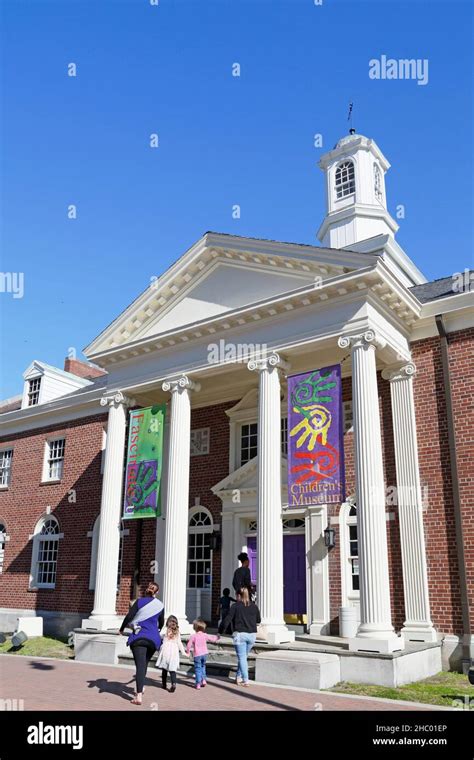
[3, 539]
[353, 549]
[6, 457]
[34, 386]
[199, 550]
[249, 440]
[54, 463]
[378, 183]
[345, 179]
[45, 553]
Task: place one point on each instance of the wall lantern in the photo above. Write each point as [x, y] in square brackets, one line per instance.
[330, 538]
[215, 541]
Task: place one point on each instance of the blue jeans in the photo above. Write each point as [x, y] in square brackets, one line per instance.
[200, 668]
[243, 643]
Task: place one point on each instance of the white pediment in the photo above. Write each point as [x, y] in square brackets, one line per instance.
[220, 274]
[245, 478]
[222, 287]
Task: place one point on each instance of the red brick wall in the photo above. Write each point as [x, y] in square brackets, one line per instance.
[435, 472]
[25, 502]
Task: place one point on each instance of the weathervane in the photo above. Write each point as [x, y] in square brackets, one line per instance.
[349, 119]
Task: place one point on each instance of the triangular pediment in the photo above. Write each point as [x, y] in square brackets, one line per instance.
[245, 478]
[220, 274]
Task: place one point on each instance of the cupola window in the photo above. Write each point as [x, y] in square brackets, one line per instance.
[345, 179]
[378, 183]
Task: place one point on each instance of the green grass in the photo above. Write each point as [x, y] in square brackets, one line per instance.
[441, 689]
[42, 646]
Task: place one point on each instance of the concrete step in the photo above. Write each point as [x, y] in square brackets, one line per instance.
[218, 664]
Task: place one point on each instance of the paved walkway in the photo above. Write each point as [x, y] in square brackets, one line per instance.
[51, 684]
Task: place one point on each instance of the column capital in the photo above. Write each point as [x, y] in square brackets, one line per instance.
[180, 384]
[367, 339]
[268, 362]
[116, 399]
[403, 372]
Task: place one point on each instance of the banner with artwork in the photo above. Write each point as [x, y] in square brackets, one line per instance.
[315, 438]
[144, 463]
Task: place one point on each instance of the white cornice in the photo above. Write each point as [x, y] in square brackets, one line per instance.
[271, 256]
[377, 277]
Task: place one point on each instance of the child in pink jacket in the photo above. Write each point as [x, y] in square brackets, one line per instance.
[198, 643]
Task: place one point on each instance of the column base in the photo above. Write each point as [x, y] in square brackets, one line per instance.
[102, 623]
[421, 633]
[275, 634]
[392, 643]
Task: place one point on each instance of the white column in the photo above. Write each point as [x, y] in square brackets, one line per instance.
[269, 523]
[104, 615]
[418, 625]
[177, 500]
[375, 633]
[317, 571]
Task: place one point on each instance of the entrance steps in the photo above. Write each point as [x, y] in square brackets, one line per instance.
[309, 661]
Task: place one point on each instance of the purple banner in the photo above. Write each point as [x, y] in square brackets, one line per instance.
[315, 438]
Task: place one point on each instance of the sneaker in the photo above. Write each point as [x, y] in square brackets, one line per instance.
[244, 683]
[203, 683]
[198, 686]
[238, 680]
[173, 688]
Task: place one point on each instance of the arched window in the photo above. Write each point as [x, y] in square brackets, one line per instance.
[199, 549]
[345, 179]
[94, 534]
[3, 538]
[378, 183]
[45, 553]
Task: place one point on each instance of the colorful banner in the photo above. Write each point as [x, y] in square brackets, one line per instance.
[315, 438]
[144, 463]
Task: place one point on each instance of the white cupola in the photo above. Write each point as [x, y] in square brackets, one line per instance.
[355, 191]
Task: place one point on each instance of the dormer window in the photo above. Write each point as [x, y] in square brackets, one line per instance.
[378, 184]
[34, 391]
[345, 179]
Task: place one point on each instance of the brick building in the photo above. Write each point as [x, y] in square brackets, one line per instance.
[403, 555]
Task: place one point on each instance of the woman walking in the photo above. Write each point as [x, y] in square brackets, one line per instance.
[244, 616]
[145, 618]
[168, 659]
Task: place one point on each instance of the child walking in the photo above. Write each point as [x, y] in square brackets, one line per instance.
[198, 643]
[223, 608]
[168, 659]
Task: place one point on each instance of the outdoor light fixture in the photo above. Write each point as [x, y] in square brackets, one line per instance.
[215, 541]
[330, 538]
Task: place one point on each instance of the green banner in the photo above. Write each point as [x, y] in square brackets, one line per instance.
[144, 463]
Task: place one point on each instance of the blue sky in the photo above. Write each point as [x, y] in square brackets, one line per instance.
[223, 140]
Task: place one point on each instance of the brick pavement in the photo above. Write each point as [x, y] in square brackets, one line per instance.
[52, 684]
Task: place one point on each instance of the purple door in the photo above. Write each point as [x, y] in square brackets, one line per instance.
[294, 575]
[294, 572]
[252, 552]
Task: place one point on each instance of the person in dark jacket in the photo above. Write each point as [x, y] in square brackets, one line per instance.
[242, 577]
[244, 616]
[145, 618]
